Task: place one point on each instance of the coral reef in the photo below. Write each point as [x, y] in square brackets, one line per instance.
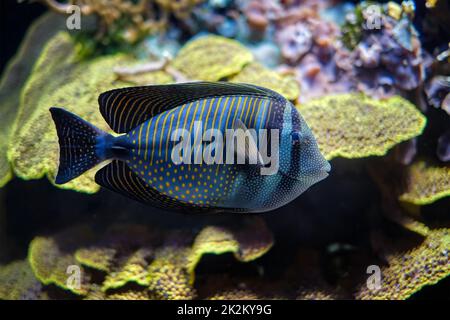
[58, 80]
[162, 264]
[122, 22]
[211, 58]
[426, 183]
[407, 272]
[357, 78]
[13, 79]
[257, 74]
[50, 259]
[355, 126]
[380, 56]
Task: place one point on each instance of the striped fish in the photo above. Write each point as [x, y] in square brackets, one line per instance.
[141, 155]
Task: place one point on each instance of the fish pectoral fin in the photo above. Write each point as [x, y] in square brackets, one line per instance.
[126, 108]
[118, 177]
[248, 150]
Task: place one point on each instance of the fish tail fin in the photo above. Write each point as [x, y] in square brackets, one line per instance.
[81, 145]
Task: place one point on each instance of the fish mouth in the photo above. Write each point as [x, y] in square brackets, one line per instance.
[318, 174]
[326, 167]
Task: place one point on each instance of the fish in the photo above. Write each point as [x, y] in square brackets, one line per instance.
[194, 147]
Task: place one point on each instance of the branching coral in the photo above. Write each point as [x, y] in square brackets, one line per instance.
[52, 258]
[355, 126]
[426, 184]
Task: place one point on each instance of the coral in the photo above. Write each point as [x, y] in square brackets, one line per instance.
[211, 58]
[387, 59]
[96, 257]
[407, 272]
[161, 264]
[355, 126]
[51, 257]
[180, 9]
[426, 183]
[58, 79]
[19, 283]
[13, 79]
[248, 242]
[134, 269]
[257, 74]
[295, 40]
[443, 149]
[235, 295]
[382, 61]
[124, 21]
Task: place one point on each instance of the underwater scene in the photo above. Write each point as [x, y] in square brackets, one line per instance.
[225, 150]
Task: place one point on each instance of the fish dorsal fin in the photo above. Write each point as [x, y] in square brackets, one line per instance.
[249, 150]
[118, 177]
[126, 108]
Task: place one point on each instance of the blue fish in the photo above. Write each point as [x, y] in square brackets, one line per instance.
[168, 151]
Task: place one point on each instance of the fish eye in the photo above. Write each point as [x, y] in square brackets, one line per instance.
[296, 138]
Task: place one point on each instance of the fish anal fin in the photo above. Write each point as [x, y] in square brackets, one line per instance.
[118, 177]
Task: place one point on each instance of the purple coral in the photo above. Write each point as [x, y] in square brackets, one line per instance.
[295, 41]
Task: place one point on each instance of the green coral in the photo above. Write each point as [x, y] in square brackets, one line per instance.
[407, 272]
[236, 294]
[356, 126]
[99, 258]
[132, 254]
[168, 277]
[13, 78]
[50, 258]
[19, 283]
[257, 74]
[211, 58]
[425, 184]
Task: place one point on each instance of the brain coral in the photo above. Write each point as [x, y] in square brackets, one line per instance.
[356, 126]
[211, 58]
[257, 74]
[426, 184]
